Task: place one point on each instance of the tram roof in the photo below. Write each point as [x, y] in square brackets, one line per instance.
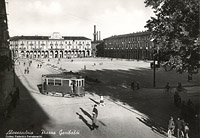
[63, 76]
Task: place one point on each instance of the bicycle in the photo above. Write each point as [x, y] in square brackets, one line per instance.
[181, 134]
[170, 132]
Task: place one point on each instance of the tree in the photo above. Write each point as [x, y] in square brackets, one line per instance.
[5, 63]
[175, 30]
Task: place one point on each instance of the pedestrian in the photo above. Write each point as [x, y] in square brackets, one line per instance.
[137, 85]
[176, 98]
[186, 130]
[133, 86]
[171, 125]
[179, 88]
[24, 71]
[102, 101]
[178, 127]
[27, 70]
[167, 87]
[94, 118]
[72, 88]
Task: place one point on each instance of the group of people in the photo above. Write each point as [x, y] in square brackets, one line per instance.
[179, 88]
[190, 111]
[26, 70]
[39, 65]
[12, 104]
[135, 85]
[180, 126]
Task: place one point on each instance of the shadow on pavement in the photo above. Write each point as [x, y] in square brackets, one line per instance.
[115, 84]
[27, 116]
[102, 123]
[84, 120]
[156, 128]
[94, 101]
[86, 113]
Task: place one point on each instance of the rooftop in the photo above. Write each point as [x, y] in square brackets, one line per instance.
[127, 35]
[15, 38]
[65, 75]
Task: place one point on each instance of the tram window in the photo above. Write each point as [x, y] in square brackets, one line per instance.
[65, 82]
[82, 82]
[50, 81]
[79, 83]
[58, 82]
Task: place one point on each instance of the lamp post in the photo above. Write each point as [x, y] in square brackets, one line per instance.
[154, 63]
[154, 69]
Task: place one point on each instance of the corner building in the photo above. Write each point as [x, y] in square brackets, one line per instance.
[129, 46]
[55, 46]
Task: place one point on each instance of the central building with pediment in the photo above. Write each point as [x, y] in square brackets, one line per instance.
[54, 46]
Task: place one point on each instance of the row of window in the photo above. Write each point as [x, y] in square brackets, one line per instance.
[129, 46]
[128, 39]
[65, 82]
[48, 45]
[52, 42]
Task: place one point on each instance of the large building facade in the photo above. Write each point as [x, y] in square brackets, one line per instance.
[55, 46]
[130, 46]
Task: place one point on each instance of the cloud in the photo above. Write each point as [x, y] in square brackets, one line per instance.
[52, 8]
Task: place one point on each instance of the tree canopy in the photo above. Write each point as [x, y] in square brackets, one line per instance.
[5, 63]
[175, 30]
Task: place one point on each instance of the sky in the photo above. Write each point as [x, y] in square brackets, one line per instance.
[76, 17]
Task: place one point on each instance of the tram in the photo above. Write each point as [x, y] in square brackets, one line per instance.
[62, 84]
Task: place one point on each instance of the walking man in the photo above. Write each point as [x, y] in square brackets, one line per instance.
[171, 127]
[94, 117]
[178, 127]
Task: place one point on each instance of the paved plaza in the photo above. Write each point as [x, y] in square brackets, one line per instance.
[143, 113]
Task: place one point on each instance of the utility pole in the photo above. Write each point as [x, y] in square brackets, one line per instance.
[154, 66]
[154, 63]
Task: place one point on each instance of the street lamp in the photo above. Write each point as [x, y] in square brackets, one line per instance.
[154, 63]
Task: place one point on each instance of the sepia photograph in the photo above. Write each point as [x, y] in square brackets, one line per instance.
[99, 69]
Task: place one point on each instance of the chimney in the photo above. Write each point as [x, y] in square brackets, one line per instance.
[99, 35]
[95, 33]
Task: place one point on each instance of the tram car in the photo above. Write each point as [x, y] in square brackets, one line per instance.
[62, 84]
